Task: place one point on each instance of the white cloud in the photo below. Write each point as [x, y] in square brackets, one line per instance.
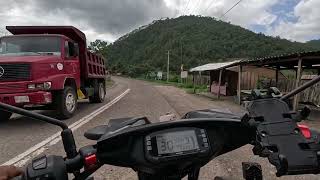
[110, 19]
[307, 26]
[246, 13]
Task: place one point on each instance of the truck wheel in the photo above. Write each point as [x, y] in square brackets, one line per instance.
[66, 103]
[4, 115]
[99, 93]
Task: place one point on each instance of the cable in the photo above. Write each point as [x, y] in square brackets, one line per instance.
[183, 12]
[230, 9]
[197, 5]
[208, 6]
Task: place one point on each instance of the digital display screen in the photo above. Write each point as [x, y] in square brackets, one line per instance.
[174, 142]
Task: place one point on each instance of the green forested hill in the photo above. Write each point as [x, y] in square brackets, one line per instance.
[201, 39]
[314, 43]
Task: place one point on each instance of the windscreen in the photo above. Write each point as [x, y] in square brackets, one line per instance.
[30, 45]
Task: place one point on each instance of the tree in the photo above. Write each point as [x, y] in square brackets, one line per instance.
[99, 46]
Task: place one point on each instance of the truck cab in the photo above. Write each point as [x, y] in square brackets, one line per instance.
[49, 67]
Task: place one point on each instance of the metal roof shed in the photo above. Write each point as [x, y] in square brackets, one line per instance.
[215, 66]
[295, 61]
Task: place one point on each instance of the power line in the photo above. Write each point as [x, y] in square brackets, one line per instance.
[197, 5]
[208, 6]
[183, 12]
[230, 9]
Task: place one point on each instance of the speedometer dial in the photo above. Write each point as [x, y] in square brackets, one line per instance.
[175, 142]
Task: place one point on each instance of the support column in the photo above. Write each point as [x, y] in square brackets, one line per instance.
[239, 83]
[220, 76]
[298, 79]
[210, 83]
[193, 81]
[277, 75]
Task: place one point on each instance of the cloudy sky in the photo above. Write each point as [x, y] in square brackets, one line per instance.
[297, 20]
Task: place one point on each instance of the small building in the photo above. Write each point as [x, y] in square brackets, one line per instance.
[227, 84]
[240, 76]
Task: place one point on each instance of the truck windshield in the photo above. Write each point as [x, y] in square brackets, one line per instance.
[29, 45]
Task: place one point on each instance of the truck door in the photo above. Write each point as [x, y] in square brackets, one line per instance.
[72, 64]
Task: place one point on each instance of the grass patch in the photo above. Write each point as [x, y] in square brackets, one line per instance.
[188, 87]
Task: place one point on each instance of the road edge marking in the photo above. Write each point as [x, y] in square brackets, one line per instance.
[55, 138]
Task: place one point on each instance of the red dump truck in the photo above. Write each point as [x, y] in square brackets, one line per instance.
[45, 67]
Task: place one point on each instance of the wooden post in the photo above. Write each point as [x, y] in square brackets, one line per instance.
[277, 75]
[193, 81]
[220, 76]
[298, 79]
[239, 83]
[210, 81]
[200, 78]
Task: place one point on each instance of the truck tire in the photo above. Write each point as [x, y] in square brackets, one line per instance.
[66, 102]
[4, 115]
[99, 93]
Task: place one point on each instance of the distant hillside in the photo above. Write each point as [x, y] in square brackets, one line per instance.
[203, 40]
[314, 43]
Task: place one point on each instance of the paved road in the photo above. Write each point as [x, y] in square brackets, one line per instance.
[144, 99]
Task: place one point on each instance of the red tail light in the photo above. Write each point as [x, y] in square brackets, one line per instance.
[305, 131]
[90, 160]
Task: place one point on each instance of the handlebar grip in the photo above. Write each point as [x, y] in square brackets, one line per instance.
[47, 167]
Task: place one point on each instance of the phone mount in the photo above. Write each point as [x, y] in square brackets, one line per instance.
[279, 138]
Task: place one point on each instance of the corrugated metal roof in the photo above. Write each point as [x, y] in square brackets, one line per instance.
[283, 56]
[214, 66]
[217, 66]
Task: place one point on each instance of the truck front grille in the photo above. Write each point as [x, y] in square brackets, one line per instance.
[14, 72]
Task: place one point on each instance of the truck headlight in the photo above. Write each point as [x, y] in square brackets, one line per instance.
[31, 86]
[46, 85]
[39, 86]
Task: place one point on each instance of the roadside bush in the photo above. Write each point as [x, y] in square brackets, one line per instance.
[174, 78]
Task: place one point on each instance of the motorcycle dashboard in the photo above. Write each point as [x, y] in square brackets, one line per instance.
[175, 143]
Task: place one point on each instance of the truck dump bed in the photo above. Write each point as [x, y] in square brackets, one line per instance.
[92, 65]
[95, 65]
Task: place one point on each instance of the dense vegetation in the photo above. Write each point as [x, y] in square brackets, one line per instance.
[314, 43]
[192, 41]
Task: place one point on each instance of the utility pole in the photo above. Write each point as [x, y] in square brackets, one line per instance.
[181, 51]
[168, 64]
[181, 57]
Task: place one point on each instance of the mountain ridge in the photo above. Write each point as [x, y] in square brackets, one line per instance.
[192, 41]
